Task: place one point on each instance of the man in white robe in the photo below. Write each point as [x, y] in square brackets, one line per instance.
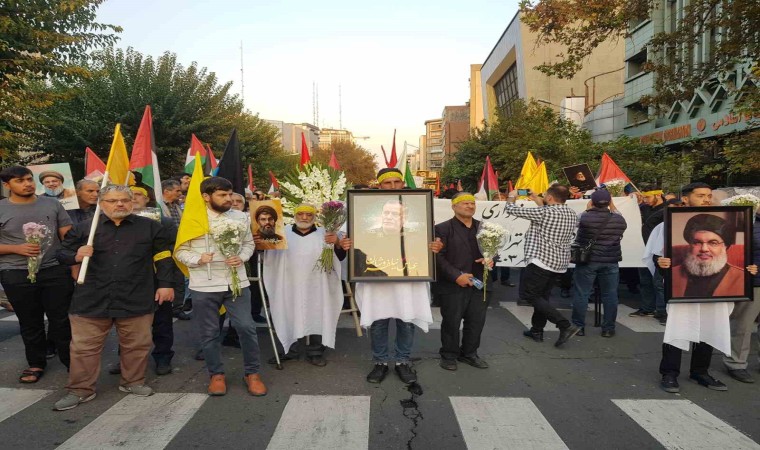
[304, 300]
[406, 302]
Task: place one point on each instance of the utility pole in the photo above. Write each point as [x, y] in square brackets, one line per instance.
[242, 78]
[340, 108]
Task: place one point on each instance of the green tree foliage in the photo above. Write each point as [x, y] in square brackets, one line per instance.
[41, 40]
[357, 162]
[184, 100]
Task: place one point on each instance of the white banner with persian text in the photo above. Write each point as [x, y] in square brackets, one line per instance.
[513, 253]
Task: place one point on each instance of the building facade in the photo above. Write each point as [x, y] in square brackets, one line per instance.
[434, 144]
[290, 135]
[328, 136]
[455, 128]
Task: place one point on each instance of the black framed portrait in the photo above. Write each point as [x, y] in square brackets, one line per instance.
[709, 248]
[580, 176]
[391, 230]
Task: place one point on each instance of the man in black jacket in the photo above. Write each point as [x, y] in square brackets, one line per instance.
[459, 263]
[605, 228]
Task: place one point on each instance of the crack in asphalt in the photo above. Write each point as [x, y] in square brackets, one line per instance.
[411, 410]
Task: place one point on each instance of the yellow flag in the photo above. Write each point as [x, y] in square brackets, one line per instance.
[118, 160]
[194, 223]
[540, 180]
[527, 172]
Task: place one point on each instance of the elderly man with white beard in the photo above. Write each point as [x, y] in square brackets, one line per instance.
[305, 300]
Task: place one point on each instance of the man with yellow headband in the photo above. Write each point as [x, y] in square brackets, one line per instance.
[407, 303]
[305, 300]
[458, 263]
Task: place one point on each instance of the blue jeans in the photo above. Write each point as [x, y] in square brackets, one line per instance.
[659, 292]
[378, 336]
[652, 291]
[584, 275]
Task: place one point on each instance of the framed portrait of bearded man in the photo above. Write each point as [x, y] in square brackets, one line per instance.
[709, 248]
[267, 221]
[391, 230]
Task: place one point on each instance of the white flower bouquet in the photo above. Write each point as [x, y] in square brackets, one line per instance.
[313, 184]
[491, 237]
[228, 236]
[332, 215]
[742, 200]
[616, 187]
[36, 233]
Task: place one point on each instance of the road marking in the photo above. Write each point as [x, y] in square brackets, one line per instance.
[679, 424]
[638, 324]
[505, 423]
[522, 313]
[323, 422]
[15, 400]
[12, 318]
[139, 423]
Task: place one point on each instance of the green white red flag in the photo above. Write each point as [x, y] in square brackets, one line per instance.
[144, 158]
[196, 147]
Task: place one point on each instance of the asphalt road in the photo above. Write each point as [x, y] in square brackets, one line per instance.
[592, 393]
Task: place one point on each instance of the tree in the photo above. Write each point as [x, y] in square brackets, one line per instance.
[184, 100]
[357, 162]
[41, 40]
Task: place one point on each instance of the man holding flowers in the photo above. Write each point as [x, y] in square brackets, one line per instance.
[305, 298]
[222, 255]
[35, 283]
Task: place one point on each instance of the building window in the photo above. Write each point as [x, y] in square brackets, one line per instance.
[506, 90]
[636, 63]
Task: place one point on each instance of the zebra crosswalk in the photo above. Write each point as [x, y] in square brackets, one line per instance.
[345, 421]
[638, 325]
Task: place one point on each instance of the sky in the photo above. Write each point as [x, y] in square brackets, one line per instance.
[398, 63]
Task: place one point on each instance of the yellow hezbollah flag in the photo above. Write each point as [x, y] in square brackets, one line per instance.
[540, 181]
[194, 223]
[527, 172]
[117, 166]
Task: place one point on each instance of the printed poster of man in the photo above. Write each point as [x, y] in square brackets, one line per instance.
[580, 176]
[390, 231]
[709, 252]
[268, 222]
[55, 180]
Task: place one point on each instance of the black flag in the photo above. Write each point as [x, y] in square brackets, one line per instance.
[231, 165]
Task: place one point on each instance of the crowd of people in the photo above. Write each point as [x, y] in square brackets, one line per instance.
[137, 282]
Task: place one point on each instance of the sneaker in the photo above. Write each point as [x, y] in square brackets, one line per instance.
[163, 368]
[378, 373]
[565, 334]
[708, 381]
[641, 313]
[50, 353]
[448, 364]
[741, 375]
[581, 332]
[139, 390]
[537, 336]
[71, 401]
[474, 361]
[669, 383]
[405, 373]
[608, 333]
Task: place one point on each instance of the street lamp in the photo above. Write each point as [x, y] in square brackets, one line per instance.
[547, 102]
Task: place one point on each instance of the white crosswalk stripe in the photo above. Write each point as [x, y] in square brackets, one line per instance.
[637, 324]
[139, 423]
[14, 400]
[504, 423]
[323, 422]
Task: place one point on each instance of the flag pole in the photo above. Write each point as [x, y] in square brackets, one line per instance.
[208, 266]
[91, 237]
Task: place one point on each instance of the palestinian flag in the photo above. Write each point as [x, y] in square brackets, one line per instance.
[144, 155]
[197, 147]
[94, 167]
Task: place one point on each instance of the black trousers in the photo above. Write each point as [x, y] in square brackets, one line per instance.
[535, 286]
[701, 354]
[163, 334]
[463, 304]
[51, 296]
[179, 291]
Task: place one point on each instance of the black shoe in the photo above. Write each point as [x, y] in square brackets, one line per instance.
[669, 383]
[581, 332]
[258, 318]
[662, 317]
[199, 355]
[565, 334]
[50, 353]
[378, 373]
[163, 368]
[708, 381]
[564, 293]
[537, 336]
[608, 333]
[115, 369]
[182, 315]
[318, 360]
[741, 375]
[507, 283]
[641, 313]
[448, 364]
[406, 374]
[474, 361]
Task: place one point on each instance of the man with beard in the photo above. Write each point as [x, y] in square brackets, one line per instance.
[87, 194]
[119, 290]
[52, 181]
[304, 302]
[50, 295]
[210, 295]
[705, 270]
[266, 218]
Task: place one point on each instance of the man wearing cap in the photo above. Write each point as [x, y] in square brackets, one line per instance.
[459, 262]
[52, 181]
[305, 301]
[407, 303]
[602, 229]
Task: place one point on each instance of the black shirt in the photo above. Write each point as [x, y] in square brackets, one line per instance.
[119, 280]
[460, 250]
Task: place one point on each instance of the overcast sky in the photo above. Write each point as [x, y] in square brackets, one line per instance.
[398, 62]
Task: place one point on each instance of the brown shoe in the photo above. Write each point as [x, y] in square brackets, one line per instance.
[255, 385]
[217, 386]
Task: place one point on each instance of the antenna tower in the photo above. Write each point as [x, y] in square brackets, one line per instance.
[242, 78]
